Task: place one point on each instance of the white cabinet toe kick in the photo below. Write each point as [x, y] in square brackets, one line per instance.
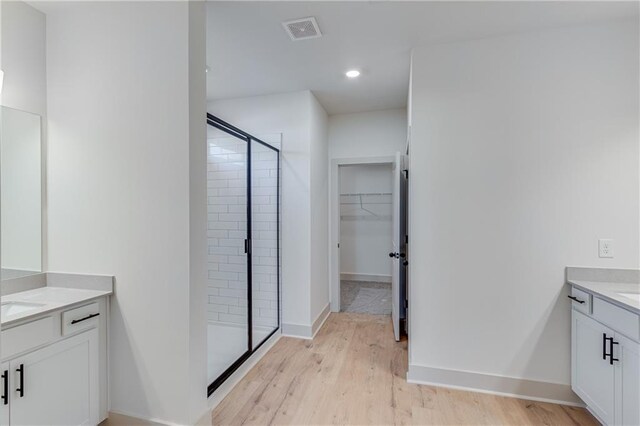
[605, 357]
[54, 367]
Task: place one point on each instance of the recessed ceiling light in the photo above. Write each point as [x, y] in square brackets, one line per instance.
[352, 73]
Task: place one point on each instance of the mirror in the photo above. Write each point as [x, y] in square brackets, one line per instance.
[20, 194]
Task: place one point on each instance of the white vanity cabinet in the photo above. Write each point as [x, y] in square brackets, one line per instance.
[57, 385]
[592, 377]
[58, 380]
[4, 393]
[605, 363]
[628, 377]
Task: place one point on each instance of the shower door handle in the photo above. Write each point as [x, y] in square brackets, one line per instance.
[247, 247]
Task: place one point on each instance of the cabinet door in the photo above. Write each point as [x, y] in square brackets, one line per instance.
[4, 393]
[58, 384]
[627, 381]
[592, 377]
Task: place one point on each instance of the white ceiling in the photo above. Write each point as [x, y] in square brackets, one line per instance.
[250, 54]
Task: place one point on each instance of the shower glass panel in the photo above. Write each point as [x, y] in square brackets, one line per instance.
[243, 235]
[264, 240]
[228, 304]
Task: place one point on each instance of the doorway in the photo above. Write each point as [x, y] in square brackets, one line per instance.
[365, 238]
[369, 238]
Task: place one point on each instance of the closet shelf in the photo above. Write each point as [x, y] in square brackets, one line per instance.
[355, 194]
[366, 218]
[365, 206]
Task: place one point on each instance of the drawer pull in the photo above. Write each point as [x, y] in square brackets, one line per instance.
[20, 370]
[75, 321]
[576, 299]
[5, 387]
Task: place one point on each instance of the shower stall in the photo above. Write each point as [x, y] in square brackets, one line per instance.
[243, 236]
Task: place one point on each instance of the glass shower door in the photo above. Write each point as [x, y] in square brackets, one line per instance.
[264, 241]
[243, 235]
[228, 298]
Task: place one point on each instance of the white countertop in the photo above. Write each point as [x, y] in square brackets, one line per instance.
[610, 291]
[50, 299]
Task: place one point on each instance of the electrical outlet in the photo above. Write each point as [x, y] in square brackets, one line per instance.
[605, 248]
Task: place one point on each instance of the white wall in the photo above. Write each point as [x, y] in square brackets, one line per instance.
[368, 134]
[126, 95]
[365, 243]
[296, 117]
[197, 362]
[524, 152]
[319, 174]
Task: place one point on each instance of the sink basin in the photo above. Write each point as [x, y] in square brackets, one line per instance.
[15, 308]
[633, 296]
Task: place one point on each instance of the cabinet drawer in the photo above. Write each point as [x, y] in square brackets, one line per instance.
[81, 318]
[27, 336]
[581, 301]
[621, 320]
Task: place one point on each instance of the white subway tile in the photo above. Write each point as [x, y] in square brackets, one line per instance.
[223, 175]
[214, 307]
[238, 319]
[232, 217]
[231, 242]
[228, 292]
[218, 233]
[219, 275]
[260, 199]
[231, 267]
[220, 300]
[239, 285]
[223, 250]
[217, 283]
[225, 192]
[214, 183]
[223, 225]
[242, 259]
[238, 234]
[217, 258]
[238, 310]
[223, 200]
[264, 295]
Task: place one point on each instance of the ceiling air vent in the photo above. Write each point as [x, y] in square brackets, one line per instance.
[302, 29]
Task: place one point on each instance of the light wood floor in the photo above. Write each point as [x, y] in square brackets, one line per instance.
[353, 373]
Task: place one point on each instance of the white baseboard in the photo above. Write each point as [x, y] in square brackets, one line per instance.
[350, 276]
[120, 417]
[299, 331]
[320, 319]
[303, 331]
[491, 384]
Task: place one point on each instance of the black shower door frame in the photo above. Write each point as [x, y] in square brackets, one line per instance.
[225, 127]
